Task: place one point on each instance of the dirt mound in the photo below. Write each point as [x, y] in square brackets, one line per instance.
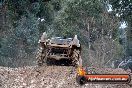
[45, 77]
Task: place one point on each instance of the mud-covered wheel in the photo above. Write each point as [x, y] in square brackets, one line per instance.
[76, 58]
[41, 57]
[81, 80]
[39, 63]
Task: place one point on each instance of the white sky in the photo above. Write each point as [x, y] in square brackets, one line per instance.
[123, 25]
[109, 8]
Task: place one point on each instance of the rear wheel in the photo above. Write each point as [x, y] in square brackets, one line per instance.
[41, 57]
[76, 58]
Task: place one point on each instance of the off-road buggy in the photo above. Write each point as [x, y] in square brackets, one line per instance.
[58, 50]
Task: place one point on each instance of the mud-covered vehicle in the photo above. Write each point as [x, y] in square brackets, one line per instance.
[58, 50]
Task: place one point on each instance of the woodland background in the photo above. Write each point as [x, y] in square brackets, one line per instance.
[104, 28]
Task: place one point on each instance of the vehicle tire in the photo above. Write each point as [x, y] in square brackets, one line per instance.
[41, 59]
[76, 57]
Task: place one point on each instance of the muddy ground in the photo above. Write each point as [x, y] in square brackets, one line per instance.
[49, 77]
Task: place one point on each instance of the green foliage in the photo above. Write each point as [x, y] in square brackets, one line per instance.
[123, 9]
[75, 16]
[27, 19]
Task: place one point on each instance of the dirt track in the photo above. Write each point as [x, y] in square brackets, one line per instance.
[47, 77]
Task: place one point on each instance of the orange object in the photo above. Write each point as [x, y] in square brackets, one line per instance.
[81, 71]
[84, 77]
